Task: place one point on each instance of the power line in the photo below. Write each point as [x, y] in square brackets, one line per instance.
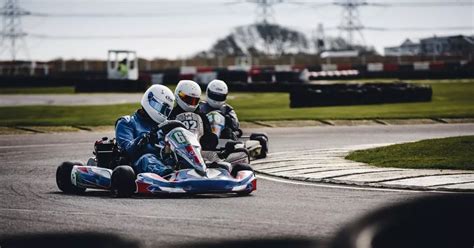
[388, 29]
[430, 4]
[352, 25]
[471, 28]
[107, 37]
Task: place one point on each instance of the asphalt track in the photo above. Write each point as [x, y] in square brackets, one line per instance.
[31, 203]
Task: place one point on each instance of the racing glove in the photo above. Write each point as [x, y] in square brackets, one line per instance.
[148, 138]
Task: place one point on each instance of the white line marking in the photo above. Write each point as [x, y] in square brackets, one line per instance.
[325, 185]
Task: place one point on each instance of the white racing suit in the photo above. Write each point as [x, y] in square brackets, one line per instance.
[232, 124]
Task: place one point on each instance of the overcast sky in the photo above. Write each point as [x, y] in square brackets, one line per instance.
[180, 28]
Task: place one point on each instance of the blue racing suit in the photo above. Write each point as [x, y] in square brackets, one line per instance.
[131, 133]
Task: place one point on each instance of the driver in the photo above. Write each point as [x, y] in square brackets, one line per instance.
[216, 96]
[188, 94]
[135, 134]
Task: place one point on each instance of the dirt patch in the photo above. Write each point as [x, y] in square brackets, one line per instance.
[458, 120]
[11, 130]
[353, 122]
[295, 123]
[408, 121]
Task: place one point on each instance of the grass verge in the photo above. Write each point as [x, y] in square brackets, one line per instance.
[446, 153]
[450, 100]
[38, 90]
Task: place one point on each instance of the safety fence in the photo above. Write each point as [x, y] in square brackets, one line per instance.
[295, 74]
[249, 78]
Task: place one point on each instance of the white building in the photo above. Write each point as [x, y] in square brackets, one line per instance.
[407, 48]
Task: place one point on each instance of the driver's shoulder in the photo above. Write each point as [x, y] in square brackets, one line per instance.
[123, 119]
[126, 120]
[227, 108]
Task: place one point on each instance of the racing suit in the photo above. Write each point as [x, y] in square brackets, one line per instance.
[207, 141]
[231, 121]
[132, 134]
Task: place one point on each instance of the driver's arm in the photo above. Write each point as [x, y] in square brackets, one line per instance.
[231, 118]
[124, 134]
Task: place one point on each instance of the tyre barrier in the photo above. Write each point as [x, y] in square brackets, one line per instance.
[260, 87]
[358, 94]
[33, 81]
[233, 76]
[108, 85]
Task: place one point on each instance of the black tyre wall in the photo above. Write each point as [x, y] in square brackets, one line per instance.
[357, 94]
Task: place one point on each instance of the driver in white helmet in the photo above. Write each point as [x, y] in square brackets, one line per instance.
[216, 93]
[188, 95]
[136, 134]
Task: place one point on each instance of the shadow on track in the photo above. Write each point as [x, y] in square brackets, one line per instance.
[107, 194]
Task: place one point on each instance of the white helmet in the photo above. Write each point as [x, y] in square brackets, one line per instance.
[188, 94]
[216, 93]
[158, 101]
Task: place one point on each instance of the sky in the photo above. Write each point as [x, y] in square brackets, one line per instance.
[180, 28]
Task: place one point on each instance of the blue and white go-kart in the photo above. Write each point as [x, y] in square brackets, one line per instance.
[193, 175]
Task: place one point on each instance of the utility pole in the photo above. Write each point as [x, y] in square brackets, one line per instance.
[264, 10]
[12, 33]
[320, 38]
[351, 23]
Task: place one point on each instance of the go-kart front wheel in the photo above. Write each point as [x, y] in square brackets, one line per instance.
[123, 181]
[240, 167]
[63, 179]
[235, 170]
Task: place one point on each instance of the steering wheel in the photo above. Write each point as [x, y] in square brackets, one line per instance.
[167, 126]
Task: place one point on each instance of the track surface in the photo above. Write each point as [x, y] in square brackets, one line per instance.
[31, 202]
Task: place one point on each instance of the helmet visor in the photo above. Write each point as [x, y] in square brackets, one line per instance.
[216, 96]
[192, 101]
[162, 108]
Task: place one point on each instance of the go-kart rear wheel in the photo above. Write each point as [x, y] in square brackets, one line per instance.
[63, 178]
[262, 138]
[123, 181]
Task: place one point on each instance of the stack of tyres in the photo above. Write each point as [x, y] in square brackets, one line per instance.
[358, 94]
[263, 76]
[232, 76]
[288, 77]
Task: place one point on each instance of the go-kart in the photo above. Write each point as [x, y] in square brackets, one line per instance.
[228, 151]
[109, 170]
[256, 143]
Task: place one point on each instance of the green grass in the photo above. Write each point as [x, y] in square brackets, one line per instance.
[38, 90]
[447, 153]
[70, 89]
[450, 100]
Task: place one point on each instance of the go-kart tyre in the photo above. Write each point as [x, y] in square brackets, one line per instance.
[63, 178]
[123, 181]
[235, 170]
[263, 140]
[240, 167]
